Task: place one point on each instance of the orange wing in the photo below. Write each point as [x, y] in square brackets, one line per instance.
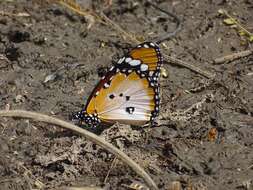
[129, 99]
[129, 92]
[146, 59]
[148, 56]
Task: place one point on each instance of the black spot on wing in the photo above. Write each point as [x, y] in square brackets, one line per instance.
[111, 96]
[130, 110]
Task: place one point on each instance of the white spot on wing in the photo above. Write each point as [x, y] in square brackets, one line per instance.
[151, 73]
[121, 60]
[106, 85]
[144, 67]
[128, 59]
[152, 44]
[135, 62]
[146, 46]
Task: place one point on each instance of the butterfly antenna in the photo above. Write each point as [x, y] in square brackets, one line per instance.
[176, 20]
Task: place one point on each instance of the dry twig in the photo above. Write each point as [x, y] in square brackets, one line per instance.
[2, 13]
[189, 66]
[232, 57]
[242, 31]
[72, 5]
[90, 136]
[120, 30]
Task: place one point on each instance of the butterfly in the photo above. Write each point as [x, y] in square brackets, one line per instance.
[129, 91]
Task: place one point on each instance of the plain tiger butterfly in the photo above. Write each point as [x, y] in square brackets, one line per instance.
[129, 91]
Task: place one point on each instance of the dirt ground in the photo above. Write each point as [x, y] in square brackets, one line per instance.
[55, 60]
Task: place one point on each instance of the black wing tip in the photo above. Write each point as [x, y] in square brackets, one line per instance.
[149, 44]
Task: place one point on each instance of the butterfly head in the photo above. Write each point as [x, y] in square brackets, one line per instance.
[89, 119]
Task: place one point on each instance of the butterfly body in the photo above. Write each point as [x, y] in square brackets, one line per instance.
[129, 92]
